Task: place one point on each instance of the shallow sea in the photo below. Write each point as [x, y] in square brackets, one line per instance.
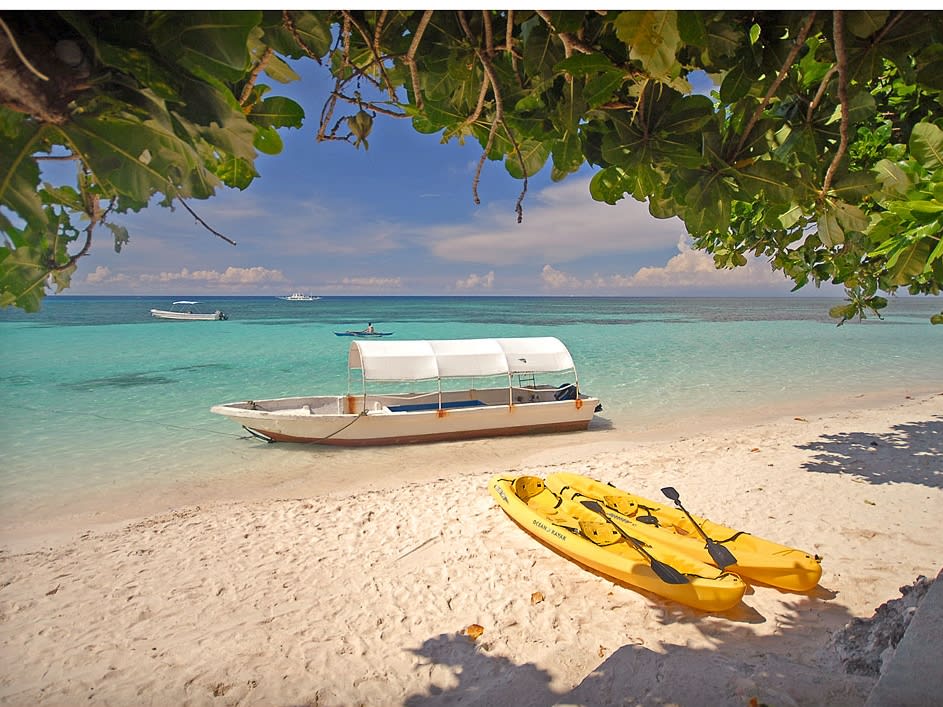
[96, 396]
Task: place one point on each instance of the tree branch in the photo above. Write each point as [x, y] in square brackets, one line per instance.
[483, 57]
[410, 58]
[289, 24]
[254, 75]
[841, 58]
[377, 61]
[793, 53]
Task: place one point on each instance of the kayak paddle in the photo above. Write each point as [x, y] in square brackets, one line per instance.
[720, 554]
[665, 572]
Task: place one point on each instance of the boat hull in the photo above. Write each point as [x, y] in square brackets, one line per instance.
[758, 559]
[346, 421]
[187, 316]
[562, 525]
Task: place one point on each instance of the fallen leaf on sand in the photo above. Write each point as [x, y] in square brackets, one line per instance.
[536, 598]
[755, 449]
[474, 631]
[800, 419]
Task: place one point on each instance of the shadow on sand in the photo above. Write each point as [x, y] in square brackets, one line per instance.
[909, 453]
[669, 674]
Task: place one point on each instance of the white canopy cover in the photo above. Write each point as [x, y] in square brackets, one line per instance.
[450, 358]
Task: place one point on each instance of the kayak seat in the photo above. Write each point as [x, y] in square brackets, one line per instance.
[621, 504]
[526, 487]
[599, 533]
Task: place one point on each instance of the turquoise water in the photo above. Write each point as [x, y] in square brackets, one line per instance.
[95, 394]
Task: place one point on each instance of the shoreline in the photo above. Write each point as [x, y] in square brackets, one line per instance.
[270, 472]
[362, 591]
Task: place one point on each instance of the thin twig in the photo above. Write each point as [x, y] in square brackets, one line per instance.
[793, 53]
[482, 94]
[841, 58]
[489, 34]
[570, 42]
[289, 24]
[377, 61]
[377, 32]
[410, 58]
[498, 120]
[509, 45]
[820, 93]
[254, 75]
[16, 48]
[204, 223]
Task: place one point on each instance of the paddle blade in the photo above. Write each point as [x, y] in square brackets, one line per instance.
[667, 573]
[671, 493]
[721, 556]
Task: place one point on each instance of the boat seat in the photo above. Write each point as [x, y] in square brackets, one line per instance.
[413, 407]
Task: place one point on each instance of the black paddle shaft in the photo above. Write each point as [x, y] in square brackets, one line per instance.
[666, 573]
[719, 554]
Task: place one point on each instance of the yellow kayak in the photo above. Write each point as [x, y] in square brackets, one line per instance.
[663, 525]
[588, 534]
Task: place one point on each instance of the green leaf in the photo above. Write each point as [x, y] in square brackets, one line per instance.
[864, 23]
[210, 43]
[892, 177]
[736, 85]
[236, 172]
[830, 232]
[139, 159]
[277, 112]
[120, 234]
[850, 218]
[754, 33]
[534, 154]
[766, 178]
[268, 140]
[602, 88]
[926, 145]
[652, 38]
[567, 153]
[608, 185]
[586, 65]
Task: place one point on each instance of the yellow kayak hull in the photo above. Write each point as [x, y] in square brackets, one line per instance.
[567, 526]
[758, 560]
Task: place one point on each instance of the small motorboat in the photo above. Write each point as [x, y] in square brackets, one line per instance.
[454, 389]
[182, 310]
[299, 297]
[364, 334]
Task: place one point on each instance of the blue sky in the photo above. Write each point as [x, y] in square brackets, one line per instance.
[399, 219]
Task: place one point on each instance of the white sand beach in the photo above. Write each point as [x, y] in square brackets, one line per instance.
[362, 592]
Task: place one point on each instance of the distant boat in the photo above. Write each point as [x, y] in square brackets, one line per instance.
[183, 310]
[299, 297]
[364, 334]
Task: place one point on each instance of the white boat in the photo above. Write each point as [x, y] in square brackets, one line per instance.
[453, 405]
[183, 310]
[299, 297]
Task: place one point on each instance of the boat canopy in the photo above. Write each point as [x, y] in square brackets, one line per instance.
[185, 301]
[457, 358]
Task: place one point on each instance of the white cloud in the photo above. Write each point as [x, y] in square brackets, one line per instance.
[231, 276]
[476, 282]
[102, 275]
[689, 269]
[371, 284]
[562, 223]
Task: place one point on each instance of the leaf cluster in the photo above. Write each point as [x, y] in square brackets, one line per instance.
[818, 148]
